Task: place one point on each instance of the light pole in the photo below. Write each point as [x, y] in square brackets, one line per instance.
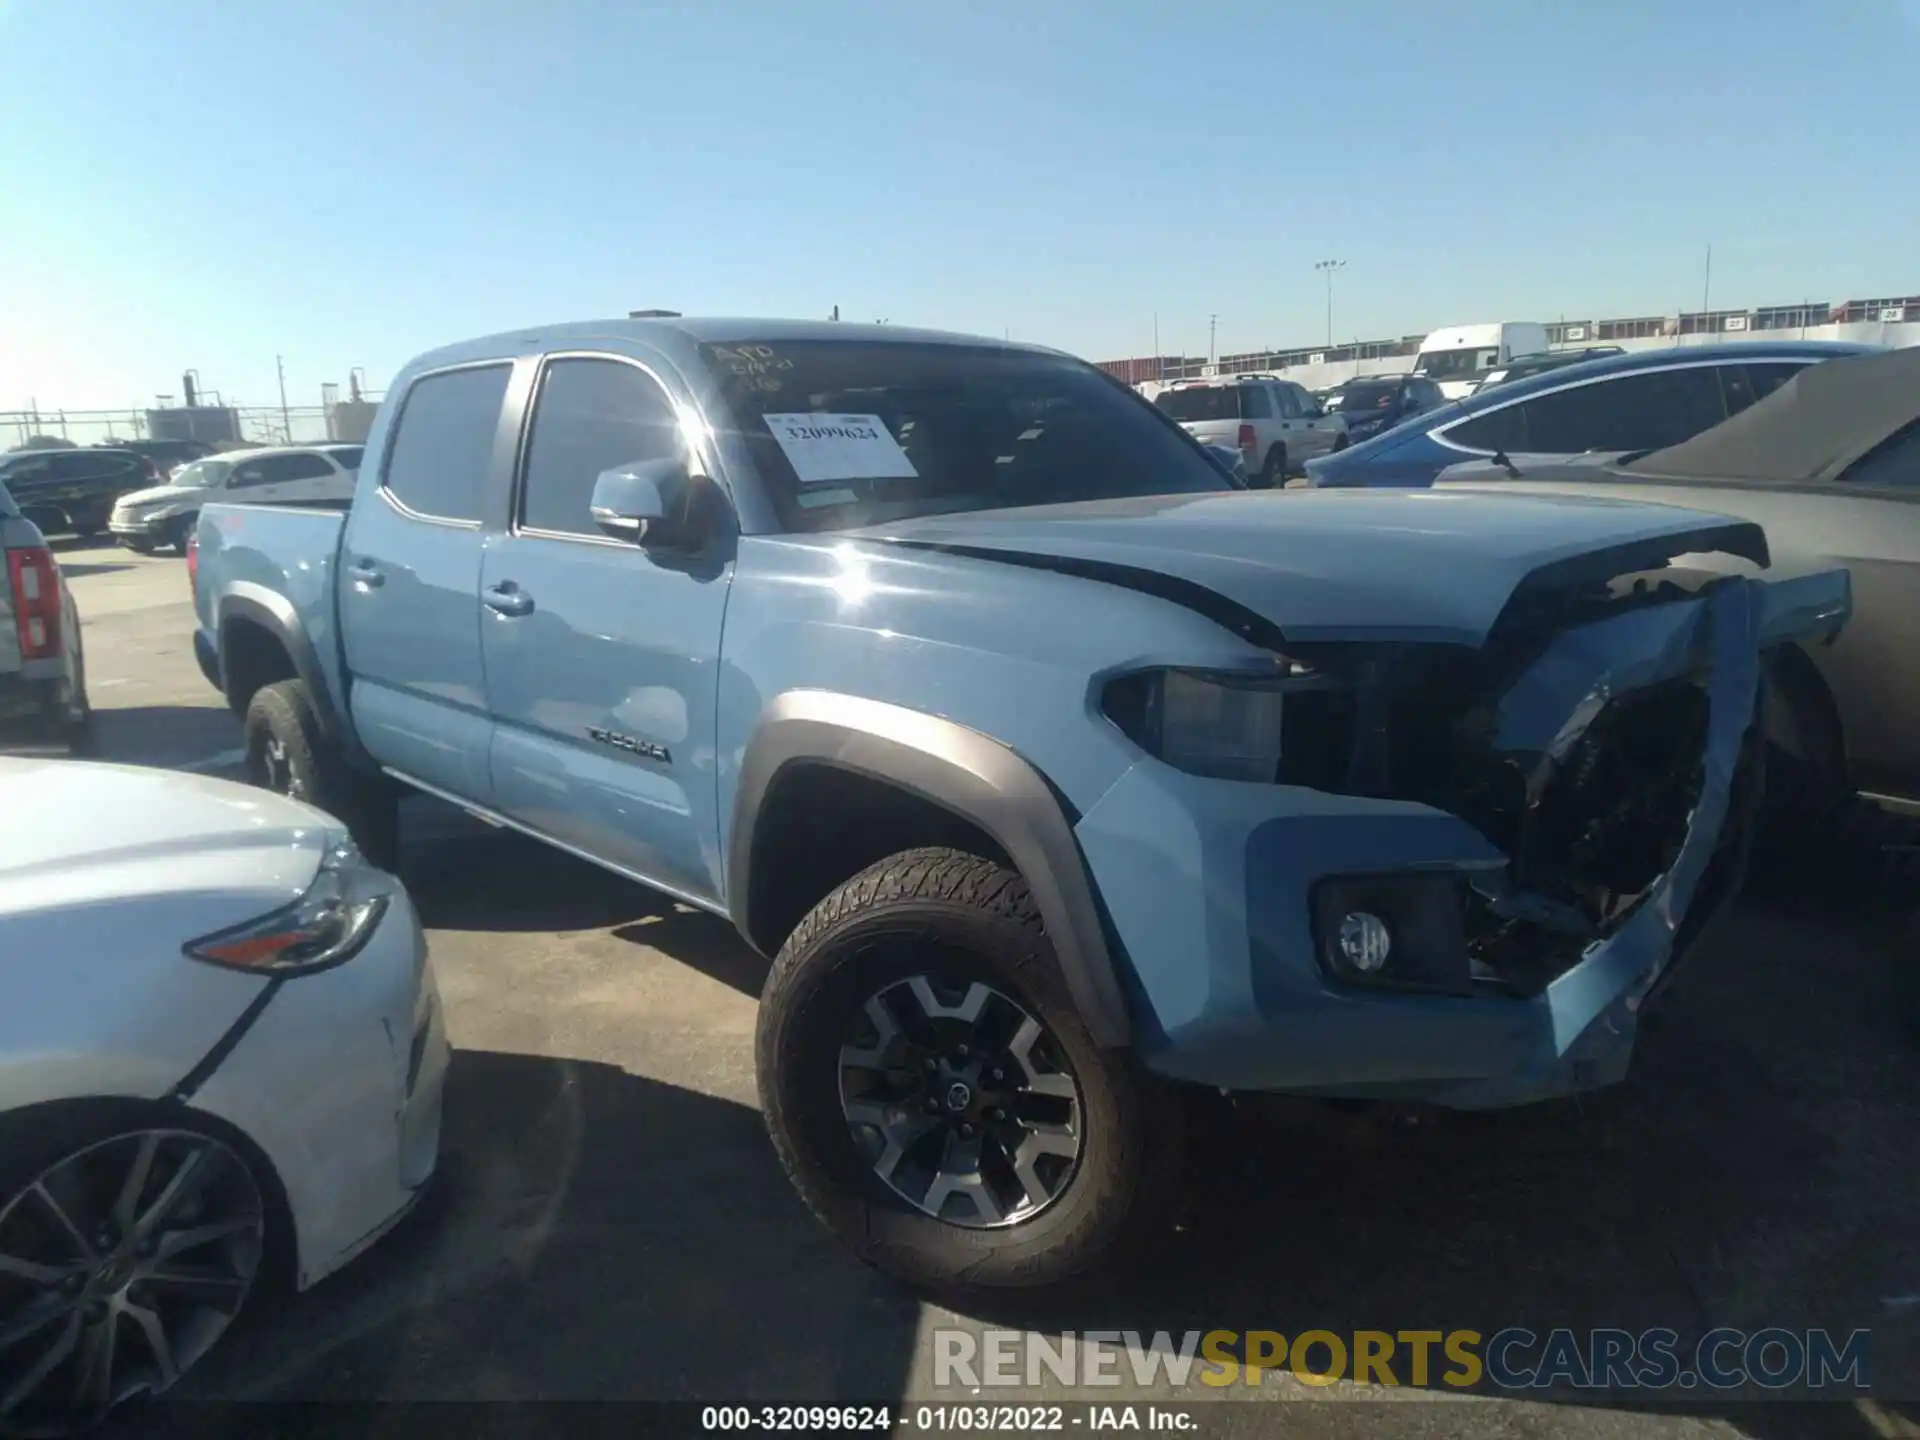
[1327, 267]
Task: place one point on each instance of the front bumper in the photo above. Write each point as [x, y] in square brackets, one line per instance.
[1209, 887]
[340, 1082]
[141, 527]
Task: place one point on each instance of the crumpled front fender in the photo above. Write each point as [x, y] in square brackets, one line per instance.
[1207, 885]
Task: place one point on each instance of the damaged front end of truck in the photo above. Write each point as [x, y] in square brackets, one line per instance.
[1476, 864]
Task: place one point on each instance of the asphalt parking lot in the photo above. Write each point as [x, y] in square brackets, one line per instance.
[610, 1223]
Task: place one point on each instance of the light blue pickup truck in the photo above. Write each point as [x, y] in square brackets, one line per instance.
[1057, 772]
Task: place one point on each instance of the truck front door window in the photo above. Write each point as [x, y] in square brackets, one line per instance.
[591, 416]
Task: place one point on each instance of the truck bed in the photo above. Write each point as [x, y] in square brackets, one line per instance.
[281, 559]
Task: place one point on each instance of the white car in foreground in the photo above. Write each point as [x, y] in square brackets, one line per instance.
[221, 1063]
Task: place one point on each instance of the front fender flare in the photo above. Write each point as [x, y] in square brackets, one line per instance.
[960, 770]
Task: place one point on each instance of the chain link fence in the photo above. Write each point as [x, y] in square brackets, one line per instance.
[240, 425]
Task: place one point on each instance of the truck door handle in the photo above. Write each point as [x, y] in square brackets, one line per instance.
[365, 573]
[507, 598]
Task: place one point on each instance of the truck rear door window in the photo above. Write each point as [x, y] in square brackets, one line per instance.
[443, 442]
[591, 416]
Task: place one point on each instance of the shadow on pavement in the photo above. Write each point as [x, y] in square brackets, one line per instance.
[591, 1235]
[168, 735]
[466, 875]
[64, 545]
[73, 570]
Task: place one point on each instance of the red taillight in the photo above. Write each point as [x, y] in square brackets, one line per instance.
[35, 582]
[1248, 442]
[193, 562]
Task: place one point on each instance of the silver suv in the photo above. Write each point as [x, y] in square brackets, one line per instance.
[1276, 425]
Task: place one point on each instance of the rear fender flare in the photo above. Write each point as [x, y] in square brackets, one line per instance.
[962, 771]
[274, 613]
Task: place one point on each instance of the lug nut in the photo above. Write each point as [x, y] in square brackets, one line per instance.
[966, 1130]
[961, 1051]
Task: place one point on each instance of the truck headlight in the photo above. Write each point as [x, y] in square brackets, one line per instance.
[327, 926]
[1219, 724]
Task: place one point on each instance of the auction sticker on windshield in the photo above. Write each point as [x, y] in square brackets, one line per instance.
[826, 448]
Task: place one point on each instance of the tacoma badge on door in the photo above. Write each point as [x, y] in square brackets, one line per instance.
[627, 742]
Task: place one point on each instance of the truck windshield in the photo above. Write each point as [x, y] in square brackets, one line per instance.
[852, 433]
[1363, 395]
[1453, 364]
[201, 474]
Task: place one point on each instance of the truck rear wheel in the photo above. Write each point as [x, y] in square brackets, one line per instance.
[287, 754]
[936, 1099]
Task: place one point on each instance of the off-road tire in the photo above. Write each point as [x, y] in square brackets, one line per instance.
[315, 770]
[865, 935]
[1273, 471]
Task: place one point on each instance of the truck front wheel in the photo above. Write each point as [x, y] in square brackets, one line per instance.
[287, 754]
[935, 1097]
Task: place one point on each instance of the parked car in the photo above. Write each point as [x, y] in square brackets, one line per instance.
[1275, 424]
[164, 515]
[43, 672]
[1640, 401]
[221, 1064]
[1055, 770]
[73, 490]
[1829, 465]
[1373, 403]
[167, 455]
[1523, 366]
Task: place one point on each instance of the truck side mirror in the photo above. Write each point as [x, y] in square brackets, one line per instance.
[653, 503]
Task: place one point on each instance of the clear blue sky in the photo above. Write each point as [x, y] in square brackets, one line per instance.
[349, 182]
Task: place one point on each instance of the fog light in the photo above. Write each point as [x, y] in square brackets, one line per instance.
[1364, 941]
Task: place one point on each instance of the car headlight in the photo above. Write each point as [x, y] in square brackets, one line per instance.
[1223, 725]
[327, 926]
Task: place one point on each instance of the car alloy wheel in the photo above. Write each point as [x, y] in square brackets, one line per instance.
[961, 1101]
[120, 1266]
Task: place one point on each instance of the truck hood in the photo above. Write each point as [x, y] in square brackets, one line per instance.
[162, 492]
[1348, 565]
